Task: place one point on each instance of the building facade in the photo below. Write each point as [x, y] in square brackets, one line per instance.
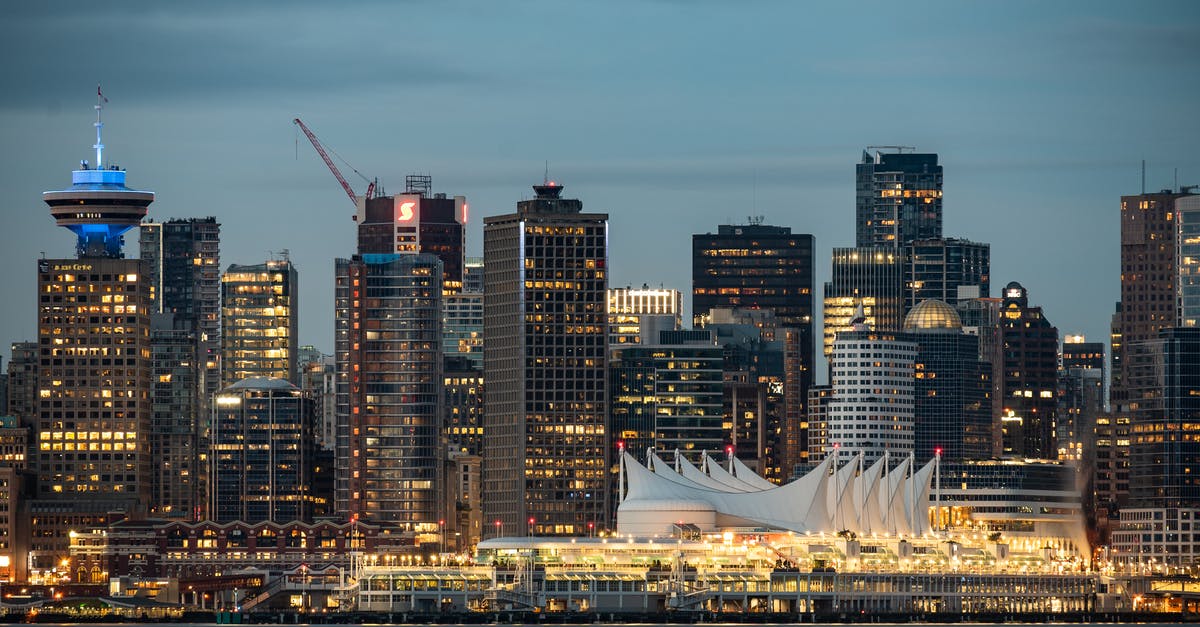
[260, 321]
[871, 278]
[936, 268]
[898, 198]
[546, 446]
[263, 453]
[627, 306]
[389, 390]
[1030, 377]
[871, 407]
[417, 221]
[952, 392]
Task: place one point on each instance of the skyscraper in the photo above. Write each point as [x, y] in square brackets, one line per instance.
[871, 278]
[259, 321]
[1151, 276]
[546, 448]
[898, 198]
[936, 268]
[263, 451]
[417, 221]
[627, 306]
[93, 411]
[953, 406]
[1030, 377]
[389, 390]
[870, 409]
[756, 266]
[182, 263]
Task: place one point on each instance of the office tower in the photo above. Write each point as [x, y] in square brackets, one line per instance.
[390, 404]
[178, 457]
[22, 382]
[1151, 276]
[462, 326]
[871, 408]
[417, 221]
[546, 450]
[1030, 377]
[952, 386]
[462, 427]
[667, 394]
[259, 321]
[981, 317]
[1081, 378]
[871, 278]
[757, 266]
[1110, 487]
[473, 275]
[14, 441]
[1164, 496]
[934, 269]
[818, 422]
[1187, 258]
[627, 305]
[263, 449]
[759, 351]
[318, 376]
[182, 258]
[898, 198]
[93, 406]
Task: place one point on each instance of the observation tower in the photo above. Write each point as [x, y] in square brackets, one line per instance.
[98, 207]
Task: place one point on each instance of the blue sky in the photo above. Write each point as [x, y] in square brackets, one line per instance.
[673, 117]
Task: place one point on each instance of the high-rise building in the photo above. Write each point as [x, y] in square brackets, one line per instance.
[94, 363]
[818, 422]
[14, 543]
[546, 447]
[761, 353]
[898, 198]
[934, 269]
[178, 457]
[1187, 258]
[389, 391]
[1152, 275]
[263, 450]
[462, 427]
[1030, 377]
[1081, 378]
[871, 408]
[871, 278]
[259, 321]
[756, 266]
[22, 382]
[981, 317]
[462, 326]
[417, 221]
[1164, 495]
[667, 394]
[952, 388]
[627, 306]
[181, 258]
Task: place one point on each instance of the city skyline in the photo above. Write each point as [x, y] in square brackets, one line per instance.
[1041, 125]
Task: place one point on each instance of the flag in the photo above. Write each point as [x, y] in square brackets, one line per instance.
[99, 95]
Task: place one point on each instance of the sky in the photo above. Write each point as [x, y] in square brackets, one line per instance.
[672, 117]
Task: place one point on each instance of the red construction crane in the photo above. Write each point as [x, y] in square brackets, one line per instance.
[333, 168]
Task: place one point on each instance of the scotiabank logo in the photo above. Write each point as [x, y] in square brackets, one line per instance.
[406, 211]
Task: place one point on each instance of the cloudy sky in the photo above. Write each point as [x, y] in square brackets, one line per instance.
[673, 117]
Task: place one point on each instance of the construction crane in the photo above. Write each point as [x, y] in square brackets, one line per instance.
[333, 168]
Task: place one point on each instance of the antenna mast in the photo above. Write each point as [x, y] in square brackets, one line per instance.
[100, 100]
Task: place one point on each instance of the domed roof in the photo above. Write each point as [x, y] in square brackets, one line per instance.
[932, 315]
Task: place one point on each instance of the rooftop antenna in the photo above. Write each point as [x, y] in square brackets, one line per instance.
[546, 174]
[100, 100]
[1143, 176]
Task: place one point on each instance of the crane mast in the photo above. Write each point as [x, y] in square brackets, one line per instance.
[333, 168]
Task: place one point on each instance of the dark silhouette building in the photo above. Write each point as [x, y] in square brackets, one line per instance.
[1030, 377]
[898, 198]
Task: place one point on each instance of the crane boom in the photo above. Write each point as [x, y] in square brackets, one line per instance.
[328, 162]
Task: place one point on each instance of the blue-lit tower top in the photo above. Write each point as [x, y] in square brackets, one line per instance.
[98, 207]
